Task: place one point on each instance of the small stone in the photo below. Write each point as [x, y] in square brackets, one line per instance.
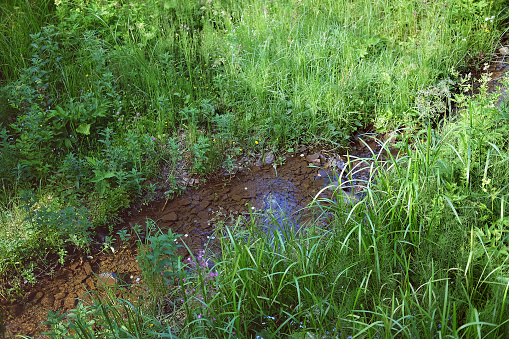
[269, 158]
[57, 305]
[74, 265]
[48, 301]
[38, 296]
[90, 283]
[313, 158]
[184, 202]
[172, 216]
[70, 301]
[504, 50]
[60, 295]
[88, 269]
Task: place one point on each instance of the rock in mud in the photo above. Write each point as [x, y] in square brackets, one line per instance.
[60, 295]
[504, 50]
[184, 202]
[70, 301]
[48, 301]
[87, 267]
[236, 197]
[314, 159]
[269, 158]
[172, 216]
[38, 297]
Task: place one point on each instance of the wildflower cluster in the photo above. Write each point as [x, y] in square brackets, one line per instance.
[199, 293]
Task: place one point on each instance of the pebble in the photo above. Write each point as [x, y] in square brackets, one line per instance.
[269, 158]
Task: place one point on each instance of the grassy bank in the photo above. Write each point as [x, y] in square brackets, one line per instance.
[98, 95]
[423, 255]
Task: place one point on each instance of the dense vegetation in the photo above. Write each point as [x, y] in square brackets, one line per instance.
[98, 95]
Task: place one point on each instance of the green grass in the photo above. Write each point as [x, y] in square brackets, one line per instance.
[423, 255]
[97, 95]
[19, 19]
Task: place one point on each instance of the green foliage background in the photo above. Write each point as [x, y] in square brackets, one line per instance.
[96, 95]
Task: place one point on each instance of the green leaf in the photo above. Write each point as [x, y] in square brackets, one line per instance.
[91, 160]
[84, 129]
[101, 175]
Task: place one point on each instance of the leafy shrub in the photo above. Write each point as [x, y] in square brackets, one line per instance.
[47, 231]
[158, 259]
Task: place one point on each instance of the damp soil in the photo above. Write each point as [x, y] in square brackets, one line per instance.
[278, 193]
[274, 191]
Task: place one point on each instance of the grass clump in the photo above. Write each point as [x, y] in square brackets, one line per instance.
[34, 235]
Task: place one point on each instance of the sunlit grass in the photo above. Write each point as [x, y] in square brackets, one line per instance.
[97, 102]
